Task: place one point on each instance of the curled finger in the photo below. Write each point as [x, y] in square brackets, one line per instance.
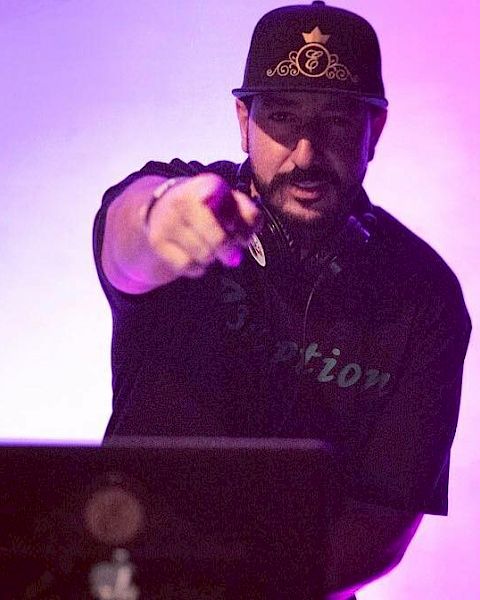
[230, 254]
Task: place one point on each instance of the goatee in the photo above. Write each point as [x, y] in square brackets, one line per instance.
[307, 233]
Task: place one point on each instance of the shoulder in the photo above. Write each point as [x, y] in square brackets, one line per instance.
[409, 276]
[411, 264]
[175, 168]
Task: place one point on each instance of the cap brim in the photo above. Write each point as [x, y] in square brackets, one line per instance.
[375, 100]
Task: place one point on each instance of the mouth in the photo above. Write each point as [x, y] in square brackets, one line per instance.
[311, 190]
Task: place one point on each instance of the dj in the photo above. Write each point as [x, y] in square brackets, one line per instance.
[272, 299]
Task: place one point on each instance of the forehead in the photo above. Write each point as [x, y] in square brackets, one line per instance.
[311, 102]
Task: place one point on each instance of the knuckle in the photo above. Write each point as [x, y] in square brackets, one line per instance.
[177, 261]
[198, 254]
[195, 272]
[210, 184]
[183, 263]
[206, 255]
[219, 237]
[159, 237]
[210, 179]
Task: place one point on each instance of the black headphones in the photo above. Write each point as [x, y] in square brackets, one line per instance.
[274, 248]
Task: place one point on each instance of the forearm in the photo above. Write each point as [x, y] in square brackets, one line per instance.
[128, 259]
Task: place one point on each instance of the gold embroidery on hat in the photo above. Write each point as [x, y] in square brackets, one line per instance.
[313, 60]
[316, 36]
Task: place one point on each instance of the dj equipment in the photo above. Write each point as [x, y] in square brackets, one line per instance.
[168, 518]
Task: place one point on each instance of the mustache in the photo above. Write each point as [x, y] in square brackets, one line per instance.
[298, 175]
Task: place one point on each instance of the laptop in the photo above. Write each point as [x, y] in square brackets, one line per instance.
[222, 518]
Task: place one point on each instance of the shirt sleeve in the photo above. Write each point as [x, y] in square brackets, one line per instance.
[404, 463]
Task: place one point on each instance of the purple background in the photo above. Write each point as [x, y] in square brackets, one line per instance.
[92, 89]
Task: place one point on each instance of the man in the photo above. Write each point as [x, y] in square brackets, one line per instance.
[338, 323]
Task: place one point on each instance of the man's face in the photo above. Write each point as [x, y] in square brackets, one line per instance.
[309, 154]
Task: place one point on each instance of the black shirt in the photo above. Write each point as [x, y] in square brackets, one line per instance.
[369, 361]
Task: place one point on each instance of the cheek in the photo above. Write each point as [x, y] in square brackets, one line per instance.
[266, 155]
[352, 155]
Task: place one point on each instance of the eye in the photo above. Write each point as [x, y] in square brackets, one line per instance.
[282, 117]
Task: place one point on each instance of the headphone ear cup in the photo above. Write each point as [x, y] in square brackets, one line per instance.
[273, 247]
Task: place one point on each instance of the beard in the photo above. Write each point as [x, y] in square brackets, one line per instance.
[318, 228]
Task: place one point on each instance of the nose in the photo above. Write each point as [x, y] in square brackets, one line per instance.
[304, 154]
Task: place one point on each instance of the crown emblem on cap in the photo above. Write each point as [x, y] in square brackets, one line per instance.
[316, 36]
[313, 60]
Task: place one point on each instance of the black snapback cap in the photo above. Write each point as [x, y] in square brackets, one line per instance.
[314, 48]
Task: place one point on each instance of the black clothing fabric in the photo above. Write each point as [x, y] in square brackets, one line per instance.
[370, 361]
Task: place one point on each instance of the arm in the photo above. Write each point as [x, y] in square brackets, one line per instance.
[150, 242]
[363, 543]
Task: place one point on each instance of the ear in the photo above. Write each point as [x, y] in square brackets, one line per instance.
[377, 123]
[242, 115]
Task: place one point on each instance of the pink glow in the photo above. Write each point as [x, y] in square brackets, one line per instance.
[92, 90]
